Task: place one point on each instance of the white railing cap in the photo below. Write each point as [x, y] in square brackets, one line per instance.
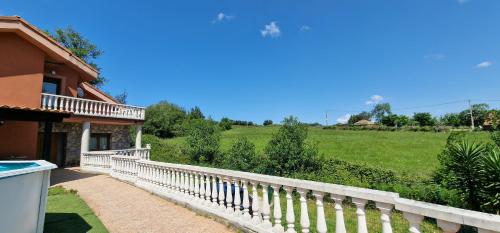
[450, 214]
[363, 193]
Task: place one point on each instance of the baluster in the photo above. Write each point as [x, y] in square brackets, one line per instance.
[177, 181]
[221, 194]
[166, 182]
[266, 209]
[214, 192]
[320, 213]
[208, 190]
[44, 99]
[181, 181]
[414, 220]
[186, 184]
[72, 105]
[385, 216]
[196, 186]
[56, 100]
[304, 214]
[277, 209]
[49, 102]
[170, 180]
[66, 108]
[448, 227]
[290, 215]
[256, 218]
[229, 196]
[202, 188]
[237, 198]
[246, 201]
[361, 216]
[339, 213]
[191, 185]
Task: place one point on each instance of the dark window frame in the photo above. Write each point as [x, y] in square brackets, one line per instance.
[55, 81]
[98, 136]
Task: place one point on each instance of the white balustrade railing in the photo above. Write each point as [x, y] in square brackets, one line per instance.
[86, 107]
[101, 161]
[227, 194]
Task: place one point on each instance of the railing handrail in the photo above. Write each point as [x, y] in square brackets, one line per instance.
[95, 101]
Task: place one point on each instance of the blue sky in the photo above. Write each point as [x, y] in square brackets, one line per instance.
[266, 59]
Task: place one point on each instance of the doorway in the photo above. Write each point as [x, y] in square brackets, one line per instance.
[57, 149]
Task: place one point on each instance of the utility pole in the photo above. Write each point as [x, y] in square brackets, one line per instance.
[326, 118]
[471, 116]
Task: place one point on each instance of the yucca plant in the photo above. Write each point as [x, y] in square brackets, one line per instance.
[491, 174]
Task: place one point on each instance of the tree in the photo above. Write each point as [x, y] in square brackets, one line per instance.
[394, 120]
[225, 123]
[357, 117]
[267, 122]
[122, 97]
[288, 151]
[164, 120]
[80, 47]
[380, 110]
[479, 112]
[242, 156]
[195, 113]
[424, 119]
[203, 141]
[451, 119]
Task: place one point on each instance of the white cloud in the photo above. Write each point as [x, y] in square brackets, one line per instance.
[484, 64]
[462, 1]
[271, 30]
[435, 56]
[375, 99]
[343, 119]
[304, 28]
[221, 17]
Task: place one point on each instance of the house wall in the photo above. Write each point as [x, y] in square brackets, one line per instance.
[21, 75]
[18, 139]
[120, 137]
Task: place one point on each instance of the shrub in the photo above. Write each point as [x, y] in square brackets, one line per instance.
[495, 137]
[225, 123]
[267, 122]
[491, 173]
[424, 119]
[203, 141]
[288, 151]
[164, 120]
[163, 151]
[242, 157]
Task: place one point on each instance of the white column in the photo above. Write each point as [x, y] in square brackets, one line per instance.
[138, 137]
[448, 227]
[237, 198]
[266, 209]
[277, 209]
[339, 213]
[290, 214]
[385, 216]
[256, 219]
[85, 137]
[361, 215]
[304, 214]
[320, 213]
[414, 220]
[229, 196]
[246, 201]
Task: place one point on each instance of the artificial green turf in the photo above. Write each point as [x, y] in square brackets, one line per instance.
[66, 212]
[412, 153]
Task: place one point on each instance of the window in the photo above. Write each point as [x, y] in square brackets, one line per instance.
[51, 86]
[100, 141]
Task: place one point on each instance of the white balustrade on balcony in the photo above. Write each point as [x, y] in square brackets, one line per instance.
[86, 107]
[227, 194]
[102, 161]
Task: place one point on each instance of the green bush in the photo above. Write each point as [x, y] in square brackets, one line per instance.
[225, 123]
[491, 173]
[288, 151]
[163, 151]
[203, 141]
[267, 122]
[164, 120]
[495, 137]
[242, 157]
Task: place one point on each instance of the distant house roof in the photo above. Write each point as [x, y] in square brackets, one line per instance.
[364, 122]
[51, 47]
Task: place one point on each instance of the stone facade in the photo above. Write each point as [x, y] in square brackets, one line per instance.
[120, 137]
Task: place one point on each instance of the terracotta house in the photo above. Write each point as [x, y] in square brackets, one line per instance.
[48, 109]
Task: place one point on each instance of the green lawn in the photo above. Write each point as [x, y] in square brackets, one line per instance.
[413, 153]
[66, 212]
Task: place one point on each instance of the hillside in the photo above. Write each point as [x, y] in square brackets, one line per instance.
[413, 153]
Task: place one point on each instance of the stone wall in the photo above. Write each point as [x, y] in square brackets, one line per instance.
[120, 137]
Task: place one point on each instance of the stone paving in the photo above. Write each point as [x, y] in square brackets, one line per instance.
[124, 208]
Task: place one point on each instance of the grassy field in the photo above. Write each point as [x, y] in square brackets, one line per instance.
[66, 212]
[412, 153]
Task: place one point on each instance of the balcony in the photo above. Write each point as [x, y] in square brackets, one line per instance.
[251, 202]
[93, 108]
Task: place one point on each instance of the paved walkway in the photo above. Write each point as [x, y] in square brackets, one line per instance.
[125, 208]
